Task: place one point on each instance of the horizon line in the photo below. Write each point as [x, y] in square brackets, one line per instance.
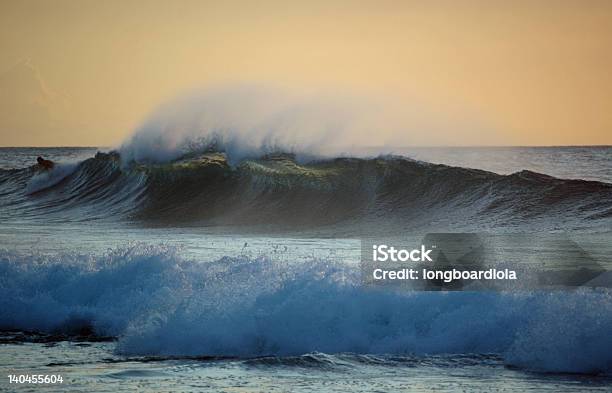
[364, 147]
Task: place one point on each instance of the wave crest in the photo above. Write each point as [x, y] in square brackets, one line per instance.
[248, 121]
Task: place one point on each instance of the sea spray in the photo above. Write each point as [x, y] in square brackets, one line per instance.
[251, 121]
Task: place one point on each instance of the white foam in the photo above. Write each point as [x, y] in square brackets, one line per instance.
[160, 304]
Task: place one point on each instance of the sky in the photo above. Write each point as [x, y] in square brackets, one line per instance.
[88, 73]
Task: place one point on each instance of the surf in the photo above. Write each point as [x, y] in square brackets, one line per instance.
[157, 303]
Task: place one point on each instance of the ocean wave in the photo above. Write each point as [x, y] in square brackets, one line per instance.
[276, 190]
[45, 179]
[159, 304]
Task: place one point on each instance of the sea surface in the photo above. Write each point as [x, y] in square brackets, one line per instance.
[204, 275]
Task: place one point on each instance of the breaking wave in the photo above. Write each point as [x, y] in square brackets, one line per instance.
[159, 304]
[279, 191]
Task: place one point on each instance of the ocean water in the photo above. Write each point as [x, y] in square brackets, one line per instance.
[201, 275]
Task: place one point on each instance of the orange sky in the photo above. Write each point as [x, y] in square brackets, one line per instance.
[485, 72]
